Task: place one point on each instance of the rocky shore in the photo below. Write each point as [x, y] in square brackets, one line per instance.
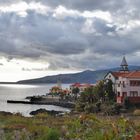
[56, 103]
[50, 112]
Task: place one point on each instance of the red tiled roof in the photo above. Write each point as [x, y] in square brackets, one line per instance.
[135, 74]
[120, 74]
[131, 74]
[81, 85]
[76, 84]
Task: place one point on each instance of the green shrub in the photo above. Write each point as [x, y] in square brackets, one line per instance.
[98, 105]
[127, 103]
[41, 116]
[136, 112]
[112, 109]
[52, 134]
[80, 107]
[91, 108]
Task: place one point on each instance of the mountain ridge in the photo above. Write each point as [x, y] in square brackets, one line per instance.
[87, 76]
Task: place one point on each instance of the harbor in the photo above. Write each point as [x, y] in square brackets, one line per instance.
[57, 96]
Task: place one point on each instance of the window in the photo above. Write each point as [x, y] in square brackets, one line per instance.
[134, 83]
[124, 94]
[118, 94]
[133, 93]
[123, 84]
[119, 84]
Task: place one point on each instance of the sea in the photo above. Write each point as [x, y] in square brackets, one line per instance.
[20, 92]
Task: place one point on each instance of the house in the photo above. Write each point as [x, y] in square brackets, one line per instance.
[55, 90]
[81, 87]
[125, 83]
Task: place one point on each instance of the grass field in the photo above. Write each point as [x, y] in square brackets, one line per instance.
[68, 127]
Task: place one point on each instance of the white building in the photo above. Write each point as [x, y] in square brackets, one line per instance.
[125, 83]
[81, 87]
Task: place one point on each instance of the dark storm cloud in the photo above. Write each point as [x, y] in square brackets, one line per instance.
[67, 47]
[81, 4]
[102, 27]
[31, 36]
[7, 46]
[115, 45]
[7, 2]
[86, 4]
[70, 40]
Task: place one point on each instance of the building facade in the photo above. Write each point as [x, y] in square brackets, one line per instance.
[125, 83]
[81, 87]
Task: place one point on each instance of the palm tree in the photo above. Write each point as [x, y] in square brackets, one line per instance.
[75, 91]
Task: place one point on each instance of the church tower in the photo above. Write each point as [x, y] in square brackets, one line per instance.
[124, 65]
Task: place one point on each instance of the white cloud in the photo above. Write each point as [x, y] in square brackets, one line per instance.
[62, 12]
[133, 24]
[98, 14]
[21, 8]
[88, 27]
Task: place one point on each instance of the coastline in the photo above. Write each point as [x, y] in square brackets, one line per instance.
[20, 92]
[61, 104]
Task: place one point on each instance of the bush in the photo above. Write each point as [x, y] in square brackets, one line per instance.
[127, 103]
[53, 134]
[136, 112]
[112, 110]
[80, 107]
[108, 111]
[91, 108]
[98, 105]
[117, 108]
[41, 116]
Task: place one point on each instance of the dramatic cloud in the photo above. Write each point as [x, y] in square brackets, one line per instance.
[74, 34]
[87, 5]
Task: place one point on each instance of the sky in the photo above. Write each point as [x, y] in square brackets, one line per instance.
[46, 37]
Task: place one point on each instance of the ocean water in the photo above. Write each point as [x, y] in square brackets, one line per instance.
[20, 92]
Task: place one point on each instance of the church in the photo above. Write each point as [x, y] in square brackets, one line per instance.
[125, 83]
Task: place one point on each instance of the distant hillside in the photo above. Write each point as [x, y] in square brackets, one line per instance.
[87, 76]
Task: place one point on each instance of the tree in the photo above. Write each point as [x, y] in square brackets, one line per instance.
[62, 95]
[88, 95]
[75, 91]
[109, 90]
[83, 97]
[99, 90]
[91, 97]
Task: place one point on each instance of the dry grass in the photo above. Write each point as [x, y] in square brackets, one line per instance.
[69, 127]
[136, 112]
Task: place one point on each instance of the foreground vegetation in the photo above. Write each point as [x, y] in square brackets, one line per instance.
[68, 127]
